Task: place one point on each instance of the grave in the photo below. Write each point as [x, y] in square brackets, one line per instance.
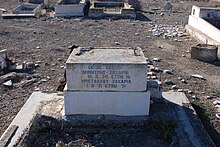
[25, 10]
[111, 8]
[70, 8]
[110, 81]
[205, 52]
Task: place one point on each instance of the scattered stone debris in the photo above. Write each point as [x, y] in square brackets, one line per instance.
[167, 31]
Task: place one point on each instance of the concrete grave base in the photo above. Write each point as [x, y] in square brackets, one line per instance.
[47, 108]
[110, 103]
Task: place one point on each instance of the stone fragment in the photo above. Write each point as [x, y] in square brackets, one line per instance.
[30, 65]
[168, 6]
[117, 43]
[179, 78]
[168, 72]
[198, 76]
[184, 81]
[216, 102]
[169, 82]
[218, 115]
[38, 62]
[180, 90]
[194, 97]
[174, 87]
[151, 74]
[8, 83]
[190, 92]
[156, 59]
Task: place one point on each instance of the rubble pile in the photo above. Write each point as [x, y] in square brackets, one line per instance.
[167, 31]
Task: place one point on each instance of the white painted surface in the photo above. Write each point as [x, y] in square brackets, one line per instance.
[196, 21]
[205, 27]
[69, 10]
[109, 103]
[107, 70]
[26, 114]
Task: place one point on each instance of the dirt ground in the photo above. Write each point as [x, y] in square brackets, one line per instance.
[45, 41]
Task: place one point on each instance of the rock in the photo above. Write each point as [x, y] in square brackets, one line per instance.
[198, 76]
[36, 89]
[217, 106]
[180, 90]
[168, 6]
[153, 77]
[30, 65]
[208, 97]
[183, 55]
[216, 102]
[179, 78]
[155, 69]
[43, 80]
[38, 62]
[190, 92]
[218, 115]
[38, 47]
[156, 59]
[62, 67]
[169, 82]
[117, 43]
[184, 81]
[167, 72]
[194, 97]
[8, 83]
[136, 34]
[174, 87]
[151, 74]
[161, 14]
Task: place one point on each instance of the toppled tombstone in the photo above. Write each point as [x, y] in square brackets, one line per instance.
[204, 52]
[168, 6]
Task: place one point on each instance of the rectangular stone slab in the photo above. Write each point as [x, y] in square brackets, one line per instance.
[107, 69]
[108, 103]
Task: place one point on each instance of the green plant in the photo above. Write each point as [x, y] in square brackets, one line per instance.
[162, 127]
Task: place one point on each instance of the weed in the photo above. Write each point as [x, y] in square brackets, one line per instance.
[162, 127]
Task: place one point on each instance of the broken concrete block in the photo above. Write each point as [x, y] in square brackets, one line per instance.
[204, 52]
